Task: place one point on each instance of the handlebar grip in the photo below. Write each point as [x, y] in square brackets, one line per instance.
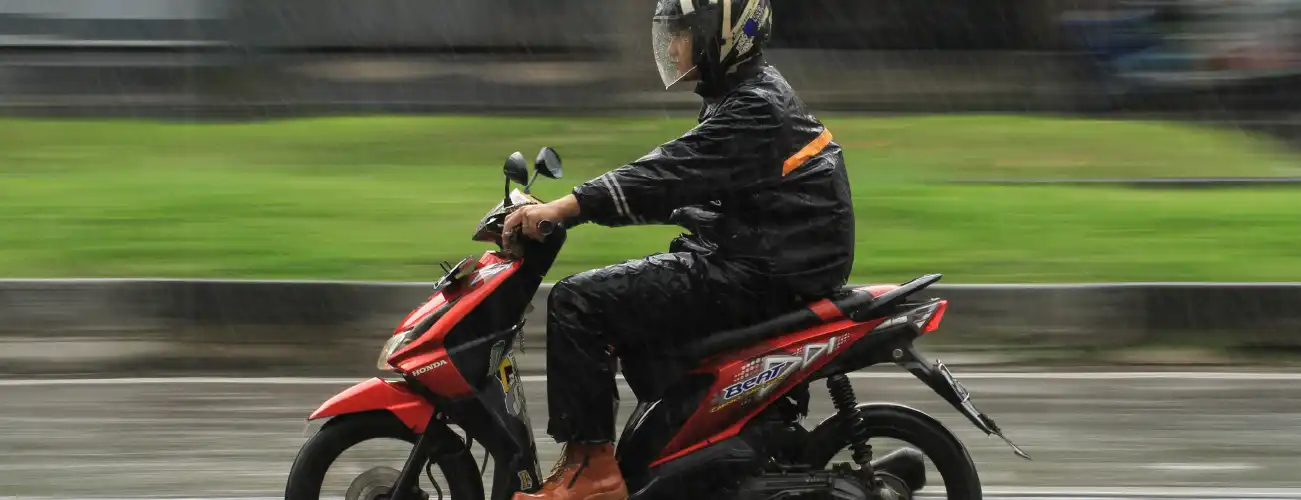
[545, 227]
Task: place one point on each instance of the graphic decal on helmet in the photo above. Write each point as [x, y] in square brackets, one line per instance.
[742, 37]
[750, 29]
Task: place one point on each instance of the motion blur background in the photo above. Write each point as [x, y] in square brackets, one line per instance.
[248, 190]
[248, 58]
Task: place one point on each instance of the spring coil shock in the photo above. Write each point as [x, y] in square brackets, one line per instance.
[842, 395]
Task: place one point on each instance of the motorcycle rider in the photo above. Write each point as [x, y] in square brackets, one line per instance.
[763, 172]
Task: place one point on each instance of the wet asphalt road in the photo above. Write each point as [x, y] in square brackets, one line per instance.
[1138, 437]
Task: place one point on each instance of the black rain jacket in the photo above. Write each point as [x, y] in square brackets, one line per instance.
[759, 181]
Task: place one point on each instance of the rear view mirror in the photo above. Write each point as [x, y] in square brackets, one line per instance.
[548, 163]
[517, 169]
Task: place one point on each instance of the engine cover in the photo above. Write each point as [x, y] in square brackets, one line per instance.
[817, 485]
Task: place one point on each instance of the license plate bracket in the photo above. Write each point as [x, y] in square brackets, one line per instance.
[940, 379]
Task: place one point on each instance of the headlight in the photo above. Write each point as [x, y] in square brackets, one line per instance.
[398, 341]
[393, 344]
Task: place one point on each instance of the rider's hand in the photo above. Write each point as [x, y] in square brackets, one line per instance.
[527, 217]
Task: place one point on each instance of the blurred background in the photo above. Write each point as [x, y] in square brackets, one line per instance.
[245, 59]
[212, 212]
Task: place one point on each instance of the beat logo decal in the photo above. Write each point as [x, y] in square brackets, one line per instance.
[774, 370]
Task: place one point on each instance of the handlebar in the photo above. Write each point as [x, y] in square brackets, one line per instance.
[545, 227]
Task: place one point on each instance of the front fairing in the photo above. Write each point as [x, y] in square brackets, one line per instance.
[438, 297]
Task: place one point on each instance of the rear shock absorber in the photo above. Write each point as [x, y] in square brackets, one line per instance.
[842, 395]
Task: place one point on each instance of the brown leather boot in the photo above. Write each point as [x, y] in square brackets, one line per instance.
[584, 472]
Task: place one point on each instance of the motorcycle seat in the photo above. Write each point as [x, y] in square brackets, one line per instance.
[860, 304]
[848, 303]
[650, 375]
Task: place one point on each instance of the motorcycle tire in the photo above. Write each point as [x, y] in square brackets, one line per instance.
[945, 451]
[320, 451]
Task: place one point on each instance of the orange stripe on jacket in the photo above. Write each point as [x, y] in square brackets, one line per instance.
[809, 151]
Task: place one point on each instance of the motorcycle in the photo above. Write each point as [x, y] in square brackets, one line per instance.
[720, 417]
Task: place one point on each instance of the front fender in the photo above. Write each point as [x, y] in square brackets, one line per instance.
[395, 397]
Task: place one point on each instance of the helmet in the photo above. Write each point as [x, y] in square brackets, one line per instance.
[716, 36]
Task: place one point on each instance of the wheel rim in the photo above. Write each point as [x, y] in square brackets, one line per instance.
[896, 485]
[379, 461]
[374, 484]
[332, 459]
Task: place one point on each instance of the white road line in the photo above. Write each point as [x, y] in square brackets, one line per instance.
[991, 493]
[179, 381]
[987, 496]
[548, 285]
[1208, 467]
[1181, 492]
[1086, 376]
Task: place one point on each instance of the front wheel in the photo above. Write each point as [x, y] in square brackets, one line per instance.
[307, 475]
[936, 442]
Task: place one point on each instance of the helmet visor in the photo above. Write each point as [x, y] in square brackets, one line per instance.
[671, 40]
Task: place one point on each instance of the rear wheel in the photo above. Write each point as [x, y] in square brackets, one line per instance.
[306, 477]
[949, 456]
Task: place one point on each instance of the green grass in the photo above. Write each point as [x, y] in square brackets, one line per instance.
[387, 198]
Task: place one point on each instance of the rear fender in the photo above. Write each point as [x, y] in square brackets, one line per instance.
[395, 397]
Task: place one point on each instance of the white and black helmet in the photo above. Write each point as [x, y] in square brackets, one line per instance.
[724, 33]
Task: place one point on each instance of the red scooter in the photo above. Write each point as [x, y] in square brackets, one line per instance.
[720, 418]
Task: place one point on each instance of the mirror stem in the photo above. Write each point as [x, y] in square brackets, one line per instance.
[505, 197]
[530, 184]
